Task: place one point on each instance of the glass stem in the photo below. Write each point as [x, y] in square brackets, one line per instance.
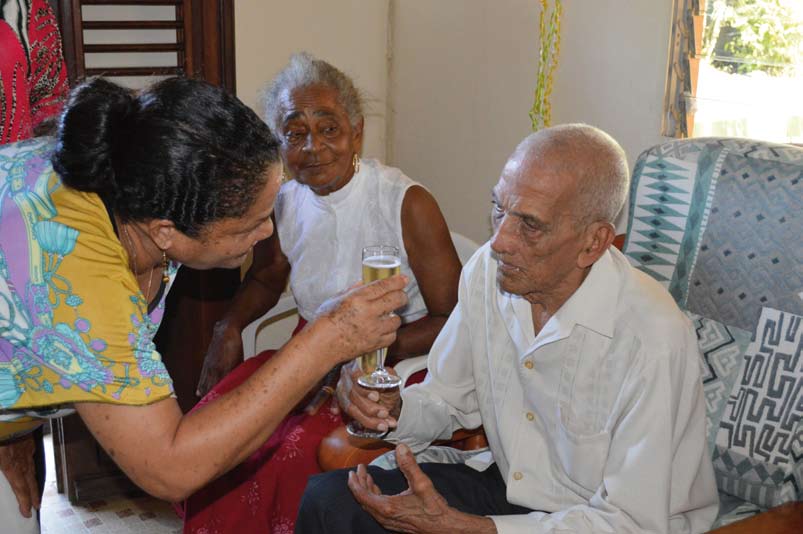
[380, 360]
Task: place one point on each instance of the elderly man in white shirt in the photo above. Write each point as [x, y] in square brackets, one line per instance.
[583, 371]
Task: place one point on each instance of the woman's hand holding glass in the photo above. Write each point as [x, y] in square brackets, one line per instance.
[378, 262]
[361, 319]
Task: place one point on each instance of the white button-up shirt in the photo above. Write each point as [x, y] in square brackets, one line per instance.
[597, 422]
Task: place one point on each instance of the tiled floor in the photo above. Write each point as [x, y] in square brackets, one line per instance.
[113, 516]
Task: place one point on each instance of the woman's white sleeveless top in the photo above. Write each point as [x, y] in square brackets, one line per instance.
[323, 236]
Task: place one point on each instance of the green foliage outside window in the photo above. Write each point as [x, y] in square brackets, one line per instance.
[743, 36]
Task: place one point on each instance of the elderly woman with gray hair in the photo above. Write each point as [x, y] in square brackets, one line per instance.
[334, 205]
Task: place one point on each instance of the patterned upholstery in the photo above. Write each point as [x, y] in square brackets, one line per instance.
[718, 222]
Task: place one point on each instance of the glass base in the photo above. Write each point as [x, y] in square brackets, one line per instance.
[358, 431]
[379, 379]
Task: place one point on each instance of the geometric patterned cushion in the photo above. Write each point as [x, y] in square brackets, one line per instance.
[722, 349]
[717, 222]
[758, 455]
[663, 224]
[733, 509]
[750, 249]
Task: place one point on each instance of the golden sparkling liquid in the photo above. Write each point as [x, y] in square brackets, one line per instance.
[373, 269]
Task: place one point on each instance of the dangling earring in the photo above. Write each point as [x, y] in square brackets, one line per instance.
[165, 265]
[355, 161]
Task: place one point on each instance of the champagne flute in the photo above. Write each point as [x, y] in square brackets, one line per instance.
[378, 262]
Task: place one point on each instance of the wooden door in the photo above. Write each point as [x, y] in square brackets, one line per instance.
[193, 38]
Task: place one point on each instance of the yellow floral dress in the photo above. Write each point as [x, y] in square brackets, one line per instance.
[75, 326]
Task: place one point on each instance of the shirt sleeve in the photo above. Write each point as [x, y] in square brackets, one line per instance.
[652, 468]
[446, 401]
[92, 339]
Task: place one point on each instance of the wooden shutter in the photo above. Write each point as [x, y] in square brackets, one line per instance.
[199, 34]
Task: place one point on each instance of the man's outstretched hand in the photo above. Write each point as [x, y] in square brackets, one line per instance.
[420, 509]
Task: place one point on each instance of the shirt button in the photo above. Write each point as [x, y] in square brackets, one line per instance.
[517, 475]
[528, 364]
[530, 416]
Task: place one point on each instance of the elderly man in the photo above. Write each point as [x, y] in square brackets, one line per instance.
[582, 370]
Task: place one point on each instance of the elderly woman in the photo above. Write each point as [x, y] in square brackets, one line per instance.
[94, 226]
[335, 205]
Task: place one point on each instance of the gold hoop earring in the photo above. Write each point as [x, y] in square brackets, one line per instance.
[165, 265]
[355, 162]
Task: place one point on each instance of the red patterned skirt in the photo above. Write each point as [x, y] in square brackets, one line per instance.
[263, 493]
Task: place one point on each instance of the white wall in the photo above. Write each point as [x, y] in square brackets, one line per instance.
[350, 34]
[462, 82]
[612, 69]
[462, 78]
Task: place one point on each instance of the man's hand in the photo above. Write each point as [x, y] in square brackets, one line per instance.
[420, 509]
[225, 352]
[16, 463]
[369, 407]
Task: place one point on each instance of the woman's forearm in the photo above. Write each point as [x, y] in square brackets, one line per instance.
[171, 456]
[280, 383]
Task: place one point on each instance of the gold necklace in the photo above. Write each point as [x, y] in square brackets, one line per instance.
[134, 266]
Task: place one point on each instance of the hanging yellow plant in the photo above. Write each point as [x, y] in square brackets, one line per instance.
[549, 35]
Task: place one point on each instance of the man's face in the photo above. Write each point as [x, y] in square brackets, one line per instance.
[536, 242]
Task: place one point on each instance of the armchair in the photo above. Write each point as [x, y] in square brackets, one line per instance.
[717, 221]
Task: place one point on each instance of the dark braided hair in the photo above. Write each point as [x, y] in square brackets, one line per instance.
[182, 150]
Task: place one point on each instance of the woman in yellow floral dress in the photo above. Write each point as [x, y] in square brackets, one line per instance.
[93, 226]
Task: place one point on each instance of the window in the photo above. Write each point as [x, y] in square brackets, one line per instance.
[743, 69]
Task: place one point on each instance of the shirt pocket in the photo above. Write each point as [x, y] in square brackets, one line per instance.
[582, 455]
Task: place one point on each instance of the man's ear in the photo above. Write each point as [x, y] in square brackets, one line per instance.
[598, 236]
[162, 232]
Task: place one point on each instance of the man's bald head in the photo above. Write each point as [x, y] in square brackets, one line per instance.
[590, 158]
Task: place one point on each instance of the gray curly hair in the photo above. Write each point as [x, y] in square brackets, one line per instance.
[304, 70]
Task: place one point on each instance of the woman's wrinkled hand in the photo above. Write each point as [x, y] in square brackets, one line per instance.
[225, 352]
[361, 319]
[17, 464]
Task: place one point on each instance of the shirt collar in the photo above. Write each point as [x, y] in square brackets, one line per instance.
[592, 306]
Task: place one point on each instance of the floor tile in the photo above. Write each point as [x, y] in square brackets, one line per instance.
[123, 515]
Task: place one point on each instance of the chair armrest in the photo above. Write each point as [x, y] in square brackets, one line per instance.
[340, 449]
[784, 519]
[284, 308]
